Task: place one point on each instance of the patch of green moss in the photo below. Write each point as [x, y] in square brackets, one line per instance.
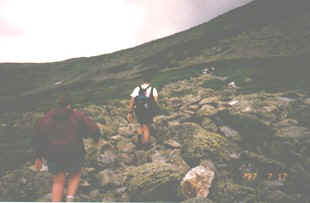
[162, 78]
[207, 144]
[229, 192]
[154, 182]
[252, 130]
[181, 93]
[215, 84]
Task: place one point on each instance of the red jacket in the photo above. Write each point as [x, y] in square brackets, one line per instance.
[61, 132]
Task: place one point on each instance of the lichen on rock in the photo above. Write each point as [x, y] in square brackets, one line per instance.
[203, 144]
[154, 181]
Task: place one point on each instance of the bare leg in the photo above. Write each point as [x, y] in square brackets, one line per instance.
[58, 187]
[146, 137]
[140, 134]
[140, 130]
[73, 184]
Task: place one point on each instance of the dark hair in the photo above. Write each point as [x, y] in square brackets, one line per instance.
[62, 112]
[64, 100]
[147, 78]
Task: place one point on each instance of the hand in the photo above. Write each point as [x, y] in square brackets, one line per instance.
[38, 164]
[129, 117]
[98, 147]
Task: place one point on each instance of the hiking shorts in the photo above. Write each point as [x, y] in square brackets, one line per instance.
[65, 163]
[144, 119]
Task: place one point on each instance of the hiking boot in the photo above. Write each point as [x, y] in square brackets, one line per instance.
[137, 140]
[146, 147]
[69, 199]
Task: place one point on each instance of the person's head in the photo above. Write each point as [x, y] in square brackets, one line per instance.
[146, 79]
[63, 109]
[64, 101]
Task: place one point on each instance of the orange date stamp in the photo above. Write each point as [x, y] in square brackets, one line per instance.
[270, 176]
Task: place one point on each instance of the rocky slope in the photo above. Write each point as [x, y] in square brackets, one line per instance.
[234, 92]
[258, 145]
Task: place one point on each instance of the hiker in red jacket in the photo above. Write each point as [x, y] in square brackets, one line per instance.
[59, 139]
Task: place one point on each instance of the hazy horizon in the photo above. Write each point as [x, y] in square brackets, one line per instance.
[55, 30]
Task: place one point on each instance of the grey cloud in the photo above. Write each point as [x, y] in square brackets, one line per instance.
[178, 15]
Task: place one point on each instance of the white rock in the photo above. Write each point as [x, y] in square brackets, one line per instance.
[116, 138]
[232, 85]
[173, 143]
[247, 109]
[58, 83]
[197, 182]
[233, 102]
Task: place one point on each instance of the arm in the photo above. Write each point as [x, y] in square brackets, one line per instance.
[133, 95]
[92, 128]
[38, 143]
[156, 109]
[132, 101]
[155, 95]
[156, 99]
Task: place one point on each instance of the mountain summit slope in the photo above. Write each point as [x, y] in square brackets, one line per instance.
[261, 30]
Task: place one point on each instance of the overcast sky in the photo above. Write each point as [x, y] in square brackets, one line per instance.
[53, 30]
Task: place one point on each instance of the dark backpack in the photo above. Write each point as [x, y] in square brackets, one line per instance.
[143, 104]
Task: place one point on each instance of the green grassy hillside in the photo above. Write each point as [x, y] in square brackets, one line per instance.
[261, 36]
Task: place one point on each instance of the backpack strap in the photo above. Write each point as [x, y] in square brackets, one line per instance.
[145, 90]
[141, 90]
[152, 94]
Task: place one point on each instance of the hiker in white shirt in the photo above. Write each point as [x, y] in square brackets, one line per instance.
[144, 99]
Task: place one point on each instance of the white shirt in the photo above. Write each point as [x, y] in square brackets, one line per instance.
[148, 91]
